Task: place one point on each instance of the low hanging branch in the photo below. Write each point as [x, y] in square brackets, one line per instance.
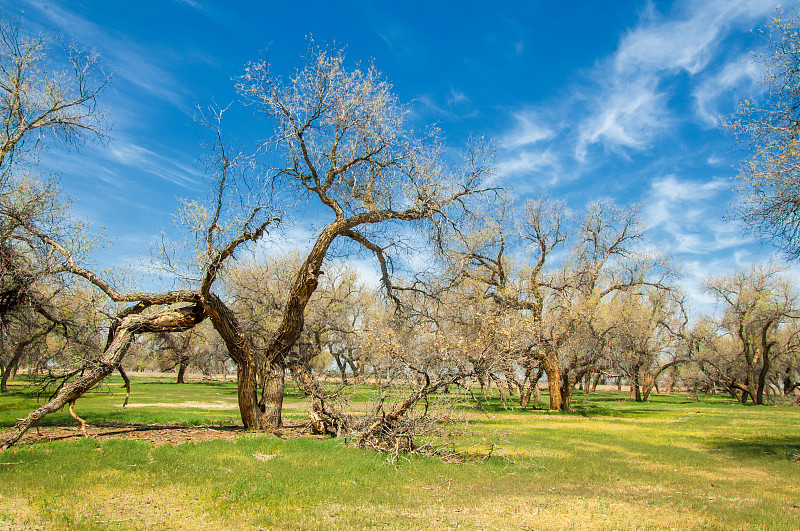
[121, 335]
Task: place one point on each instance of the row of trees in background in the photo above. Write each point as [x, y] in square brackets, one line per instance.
[485, 325]
[509, 296]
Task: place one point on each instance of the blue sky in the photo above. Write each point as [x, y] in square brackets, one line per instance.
[583, 99]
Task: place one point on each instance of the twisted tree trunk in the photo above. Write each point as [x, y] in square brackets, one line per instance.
[240, 350]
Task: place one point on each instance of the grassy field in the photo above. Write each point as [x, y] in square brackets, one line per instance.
[670, 463]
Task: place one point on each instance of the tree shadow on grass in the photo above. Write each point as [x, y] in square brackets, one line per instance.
[615, 405]
[776, 447]
[495, 405]
[616, 410]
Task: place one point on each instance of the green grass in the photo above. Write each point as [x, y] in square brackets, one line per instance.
[104, 403]
[670, 463]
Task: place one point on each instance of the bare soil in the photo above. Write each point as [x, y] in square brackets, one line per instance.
[156, 434]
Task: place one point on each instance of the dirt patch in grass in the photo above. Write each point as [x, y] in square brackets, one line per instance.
[158, 434]
[217, 405]
[187, 405]
[16, 515]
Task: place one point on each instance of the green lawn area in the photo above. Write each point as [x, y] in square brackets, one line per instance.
[670, 463]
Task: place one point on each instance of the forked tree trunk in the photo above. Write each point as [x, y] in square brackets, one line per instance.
[647, 387]
[596, 380]
[342, 366]
[10, 367]
[762, 374]
[651, 380]
[567, 386]
[240, 350]
[500, 388]
[305, 284]
[356, 369]
[636, 391]
[750, 384]
[525, 396]
[531, 385]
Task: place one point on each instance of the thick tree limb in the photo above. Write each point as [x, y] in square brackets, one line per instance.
[171, 319]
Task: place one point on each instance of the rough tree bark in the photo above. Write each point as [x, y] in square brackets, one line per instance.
[274, 382]
[241, 351]
[551, 368]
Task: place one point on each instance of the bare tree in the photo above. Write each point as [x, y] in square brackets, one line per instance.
[47, 96]
[767, 126]
[182, 350]
[340, 141]
[756, 304]
[46, 93]
[647, 336]
[561, 299]
[218, 232]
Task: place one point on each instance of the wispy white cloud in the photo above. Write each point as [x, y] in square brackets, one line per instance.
[450, 110]
[673, 189]
[170, 169]
[671, 200]
[662, 44]
[630, 116]
[529, 129]
[456, 97]
[686, 213]
[629, 111]
[126, 59]
[625, 103]
[687, 38]
[736, 77]
[191, 3]
[532, 162]
[526, 153]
